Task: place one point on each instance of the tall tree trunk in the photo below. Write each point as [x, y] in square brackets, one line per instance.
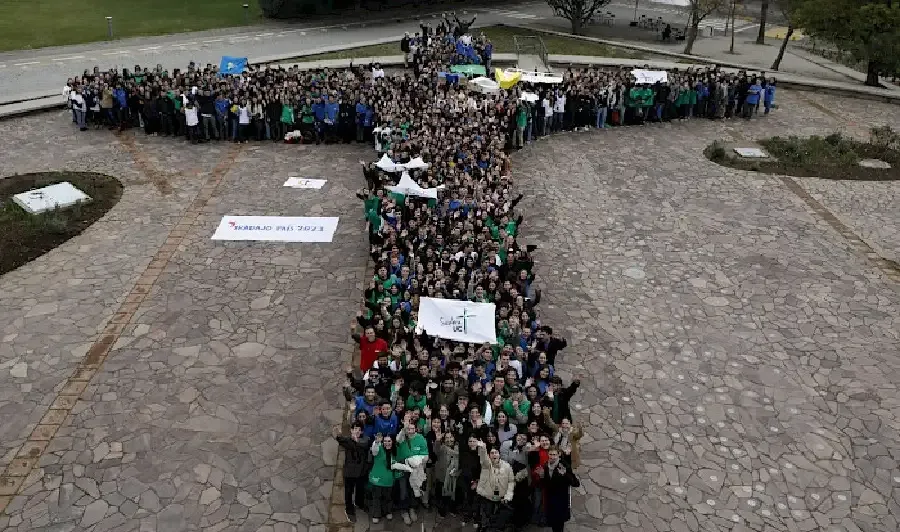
[872, 74]
[763, 14]
[576, 25]
[691, 36]
[784, 43]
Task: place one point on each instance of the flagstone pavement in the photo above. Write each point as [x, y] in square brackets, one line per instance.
[740, 341]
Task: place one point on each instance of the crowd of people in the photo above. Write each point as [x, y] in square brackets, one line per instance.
[343, 105]
[481, 432]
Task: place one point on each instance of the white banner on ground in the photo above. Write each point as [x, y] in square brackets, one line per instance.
[276, 228]
[302, 182]
[463, 321]
[650, 76]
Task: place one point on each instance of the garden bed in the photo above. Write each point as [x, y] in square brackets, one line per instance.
[25, 237]
[830, 157]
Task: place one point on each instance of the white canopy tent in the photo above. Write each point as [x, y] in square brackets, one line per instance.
[386, 164]
[415, 164]
[485, 85]
[408, 187]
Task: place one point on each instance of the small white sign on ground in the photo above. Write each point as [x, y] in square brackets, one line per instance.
[58, 196]
[875, 163]
[751, 153]
[276, 228]
[303, 182]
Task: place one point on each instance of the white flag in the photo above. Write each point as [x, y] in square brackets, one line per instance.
[463, 321]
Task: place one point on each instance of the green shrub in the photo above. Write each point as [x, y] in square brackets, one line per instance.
[717, 151]
[884, 138]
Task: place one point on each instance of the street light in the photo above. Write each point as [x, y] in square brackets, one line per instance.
[109, 32]
[246, 14]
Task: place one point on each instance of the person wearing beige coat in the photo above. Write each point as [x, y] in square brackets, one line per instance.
[497, 480]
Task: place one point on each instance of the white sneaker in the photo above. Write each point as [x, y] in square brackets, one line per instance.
[389, 516]
[405, 515]
[412, 515]
[375, 520]
[462, 524]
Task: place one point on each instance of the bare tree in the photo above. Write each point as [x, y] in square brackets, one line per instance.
[578, 12]
[763, 15]
[787, 37]
[788, 9]
[700, 9]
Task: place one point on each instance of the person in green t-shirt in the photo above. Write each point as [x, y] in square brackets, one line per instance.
[381, 477]
[287, 118]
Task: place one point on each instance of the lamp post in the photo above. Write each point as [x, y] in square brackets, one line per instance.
[109, 32]
[733, 7]
[246, 14]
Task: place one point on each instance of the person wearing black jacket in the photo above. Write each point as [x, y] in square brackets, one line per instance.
[208, 129]
[549, 344]
[346, 120]
[561, 396]
[273, 118]
[151, 115]
[469, 473]
[356, 468]
[404, 47]
[556, 479]
[166, 108]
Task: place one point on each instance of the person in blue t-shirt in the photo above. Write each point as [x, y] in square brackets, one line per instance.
[753, 94]
[361, 109]
[319, 111]
[769, 95]
[331, 118]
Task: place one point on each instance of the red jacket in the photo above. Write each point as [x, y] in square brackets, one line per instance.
[368, 352]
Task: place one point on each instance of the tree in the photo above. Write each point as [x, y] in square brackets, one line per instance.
[788, 8]
[578, 12]
[763, 14]
[700, 9]
[867, 30]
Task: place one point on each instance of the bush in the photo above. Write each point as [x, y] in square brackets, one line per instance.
[884, 138]
[832, 156]
[717, 151]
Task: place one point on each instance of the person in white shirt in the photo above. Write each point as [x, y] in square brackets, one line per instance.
[192, 119]
[548, 114]
[67, 92]
[244, 122]
[559, 110]
[79, 107]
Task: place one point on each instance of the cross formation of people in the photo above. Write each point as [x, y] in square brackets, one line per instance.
[484, 433]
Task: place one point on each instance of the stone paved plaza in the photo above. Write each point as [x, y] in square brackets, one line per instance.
[741, 344]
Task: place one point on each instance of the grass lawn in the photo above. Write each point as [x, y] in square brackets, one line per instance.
[28, 24]
[831, 157]
[26, 237]
[502, 37]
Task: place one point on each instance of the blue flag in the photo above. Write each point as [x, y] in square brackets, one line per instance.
[232, 65]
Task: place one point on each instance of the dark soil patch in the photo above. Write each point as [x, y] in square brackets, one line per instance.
[25, 237]
[830, 157]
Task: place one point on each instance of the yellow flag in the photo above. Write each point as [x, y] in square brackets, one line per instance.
[507, 79]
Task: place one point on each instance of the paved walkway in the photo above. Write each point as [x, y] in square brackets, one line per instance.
[741, 351]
